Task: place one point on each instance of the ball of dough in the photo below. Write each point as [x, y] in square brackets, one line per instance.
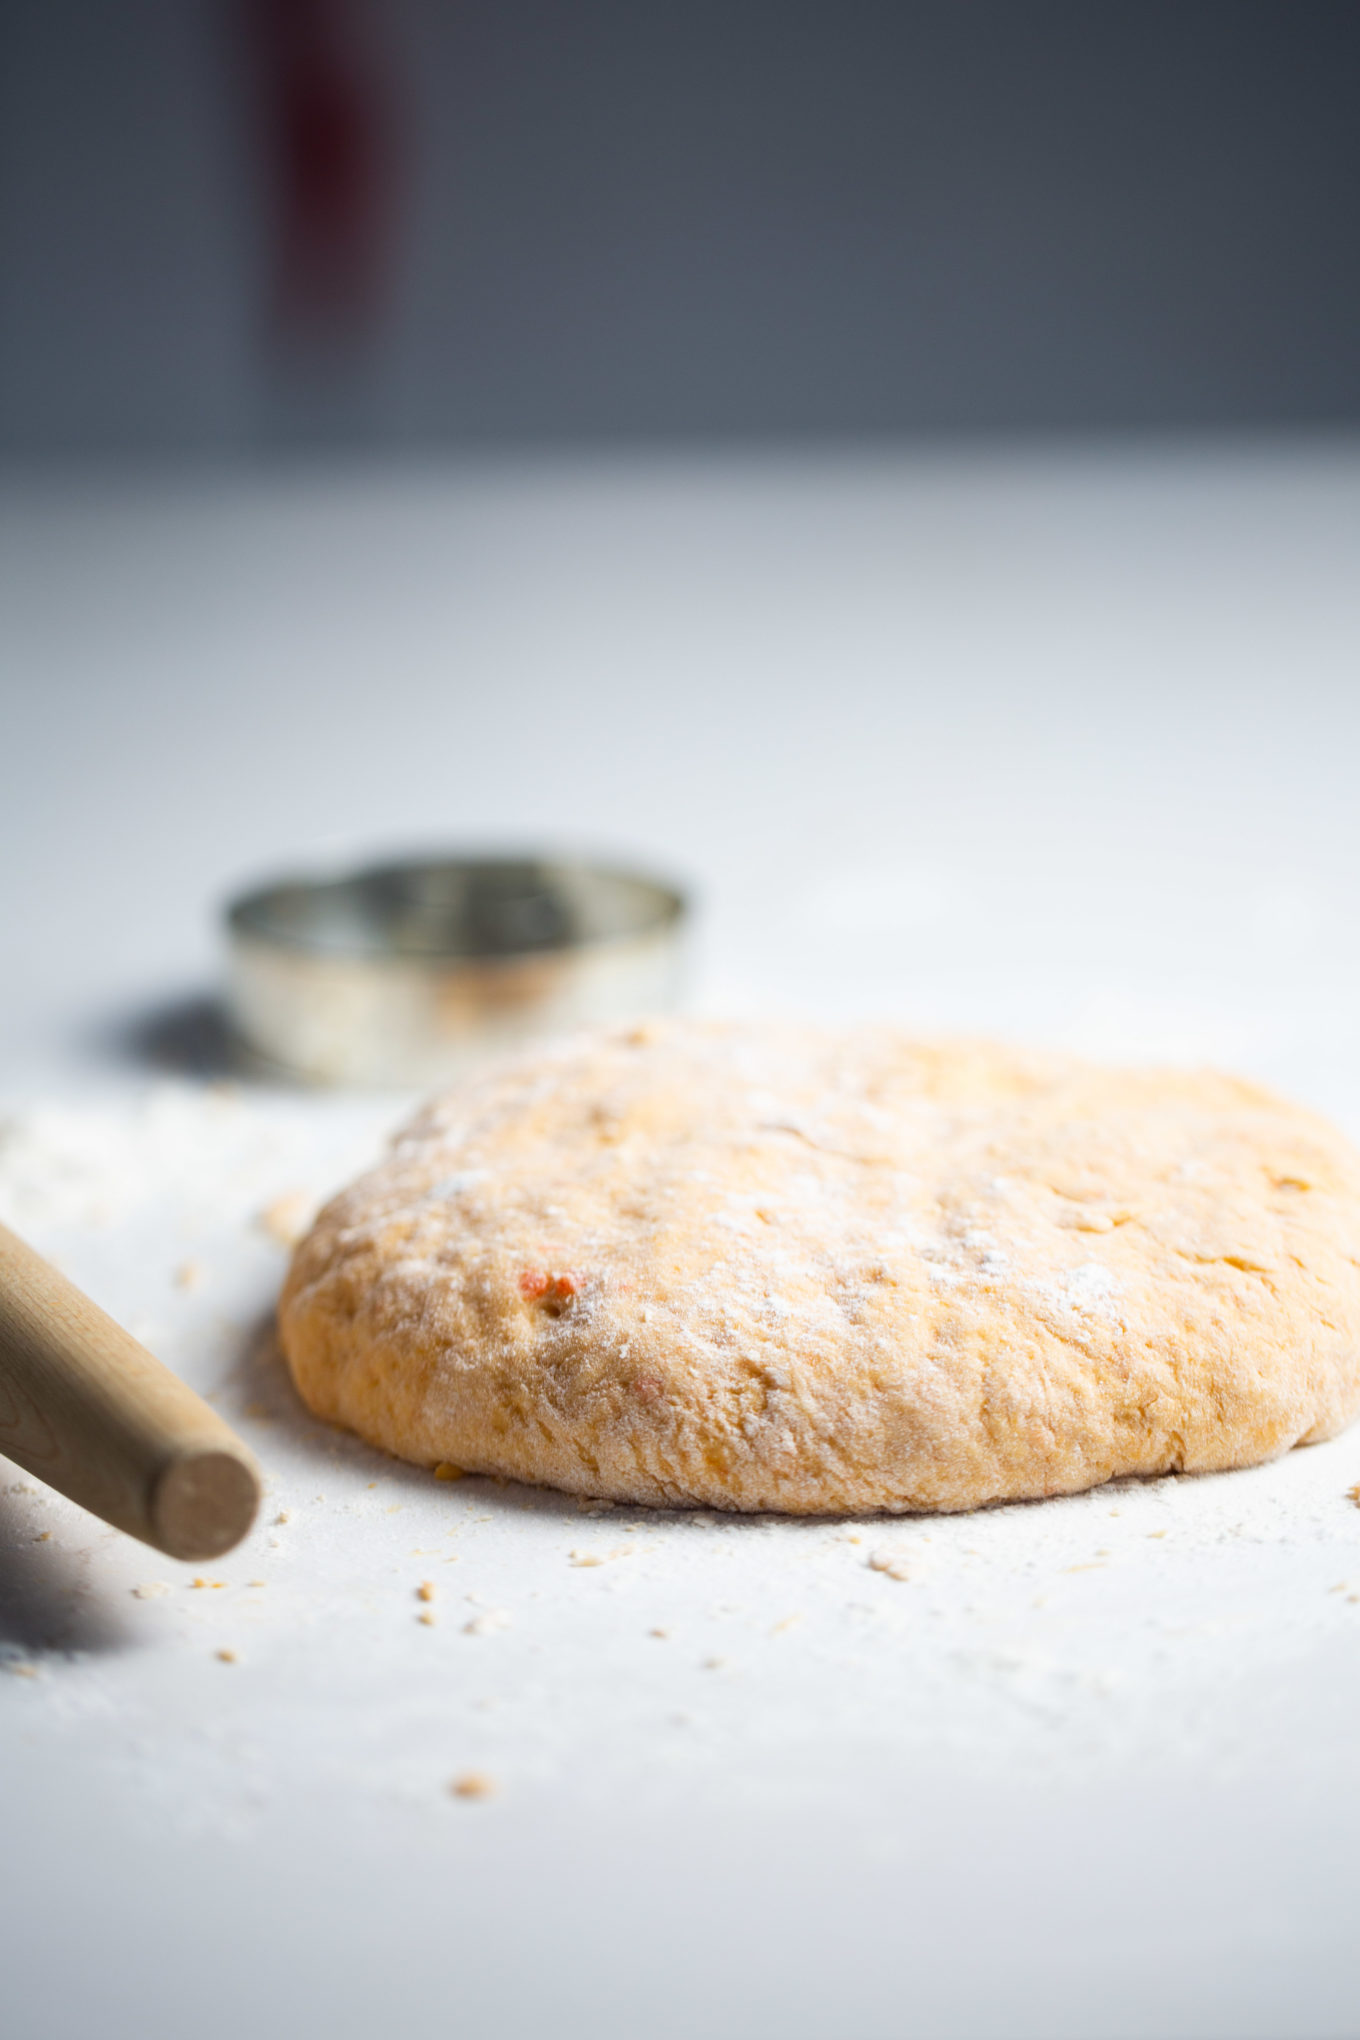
[772, 1268]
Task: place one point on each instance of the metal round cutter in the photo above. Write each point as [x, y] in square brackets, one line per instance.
[407, 974]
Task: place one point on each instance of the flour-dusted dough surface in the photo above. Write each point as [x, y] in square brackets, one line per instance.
[773, 1268]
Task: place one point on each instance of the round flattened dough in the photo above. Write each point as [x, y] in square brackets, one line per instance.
[773, 1268]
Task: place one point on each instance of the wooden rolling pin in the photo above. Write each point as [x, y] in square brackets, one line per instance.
[86, 1409]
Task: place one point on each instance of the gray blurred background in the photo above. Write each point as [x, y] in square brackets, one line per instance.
[230, 226]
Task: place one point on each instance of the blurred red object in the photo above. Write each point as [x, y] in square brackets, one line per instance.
[329, 133]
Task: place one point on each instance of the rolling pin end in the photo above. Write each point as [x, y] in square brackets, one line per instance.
[203, 1503]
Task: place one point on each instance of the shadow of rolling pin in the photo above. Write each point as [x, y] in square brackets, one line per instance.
[86, 1409]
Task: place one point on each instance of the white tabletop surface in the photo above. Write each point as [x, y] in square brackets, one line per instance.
[1062, 748]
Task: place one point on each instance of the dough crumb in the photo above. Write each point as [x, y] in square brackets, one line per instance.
[287, 1218]
[658, 1632]
[425, 1591]
[151, 1590]
[487, 1625]
[226, 1657]
[444, 1471]
[896, 1565]
[1353, 1494]
[473, 1785]
[428, 1617]
[188, 1275]
[789, 1622]
[201, 1581]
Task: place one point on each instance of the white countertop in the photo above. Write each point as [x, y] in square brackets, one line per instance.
[1059, 748]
